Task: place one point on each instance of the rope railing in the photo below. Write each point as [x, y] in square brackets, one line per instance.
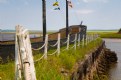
[53, 44]
[88, 39]
[39, 58]
[67, 43]
[39, 47]
[75, 40]
[23, 48]
[72, 41]
[52, 53]
[72, 38]
[64, 42]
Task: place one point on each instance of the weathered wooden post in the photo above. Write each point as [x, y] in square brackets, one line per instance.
[46, 47]
[18, 61]
[83, 42]
[75, 41]
[86, 40]
[89, 38]
[58, 46]
[68, 40]
[79, 40]
[24, 59]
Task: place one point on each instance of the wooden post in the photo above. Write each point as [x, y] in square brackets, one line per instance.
[75, 41]
[98, 35]
[58, 46]
[24, 55]
[46, 47]
[79, 39]
[18, 62]
[68, 40]
[92, 37]
[89, 38]
[95, 36]
[83, 41]
[86, 40]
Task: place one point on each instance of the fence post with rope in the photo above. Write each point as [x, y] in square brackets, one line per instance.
[24, 64]
[79, 40]
[75, 41]
[86, 42]
[46, 47]
[68, 40]
[58, 45]
[83, 41]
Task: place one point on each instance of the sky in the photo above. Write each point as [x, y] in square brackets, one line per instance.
[96, 14]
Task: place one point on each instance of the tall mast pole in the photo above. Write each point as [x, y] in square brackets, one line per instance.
[44, 18]
[67, 22]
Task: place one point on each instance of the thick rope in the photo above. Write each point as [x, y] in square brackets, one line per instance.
[39, 58]
[39, 47]
[54, 44]
[52, 53]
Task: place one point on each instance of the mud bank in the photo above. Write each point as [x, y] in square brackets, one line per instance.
[96, 64]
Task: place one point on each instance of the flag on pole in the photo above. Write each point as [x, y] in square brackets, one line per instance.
[58, 8]
[70, 4]
[56, 3]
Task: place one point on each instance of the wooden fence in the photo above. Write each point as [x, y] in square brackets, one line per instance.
[23, 52]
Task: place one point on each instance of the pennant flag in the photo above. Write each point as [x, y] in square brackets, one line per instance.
[56, 3]
[58, 8]
[70, 4]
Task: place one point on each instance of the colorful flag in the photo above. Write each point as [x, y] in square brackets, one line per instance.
[58, 8]
[56, 3]
[70, 4]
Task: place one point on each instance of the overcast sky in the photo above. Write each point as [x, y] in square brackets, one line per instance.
[96, 14]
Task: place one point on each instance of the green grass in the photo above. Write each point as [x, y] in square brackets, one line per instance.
[7, 71]
[110, 35]
[51, 68]
[106, 34]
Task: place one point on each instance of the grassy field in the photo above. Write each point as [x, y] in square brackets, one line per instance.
[54, 68]
[107, 34]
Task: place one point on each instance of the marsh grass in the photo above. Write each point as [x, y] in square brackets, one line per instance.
[55, 67]
[7, 71]
[107, 34]
[111, 35]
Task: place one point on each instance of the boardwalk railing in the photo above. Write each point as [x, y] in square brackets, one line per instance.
[24, 58]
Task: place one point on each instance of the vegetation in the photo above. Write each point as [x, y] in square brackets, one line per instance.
[107, 34]
[100, 77]
[55, 67]
[110, 35]
[119, 31]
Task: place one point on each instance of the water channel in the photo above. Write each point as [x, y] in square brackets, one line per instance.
[115, 45]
